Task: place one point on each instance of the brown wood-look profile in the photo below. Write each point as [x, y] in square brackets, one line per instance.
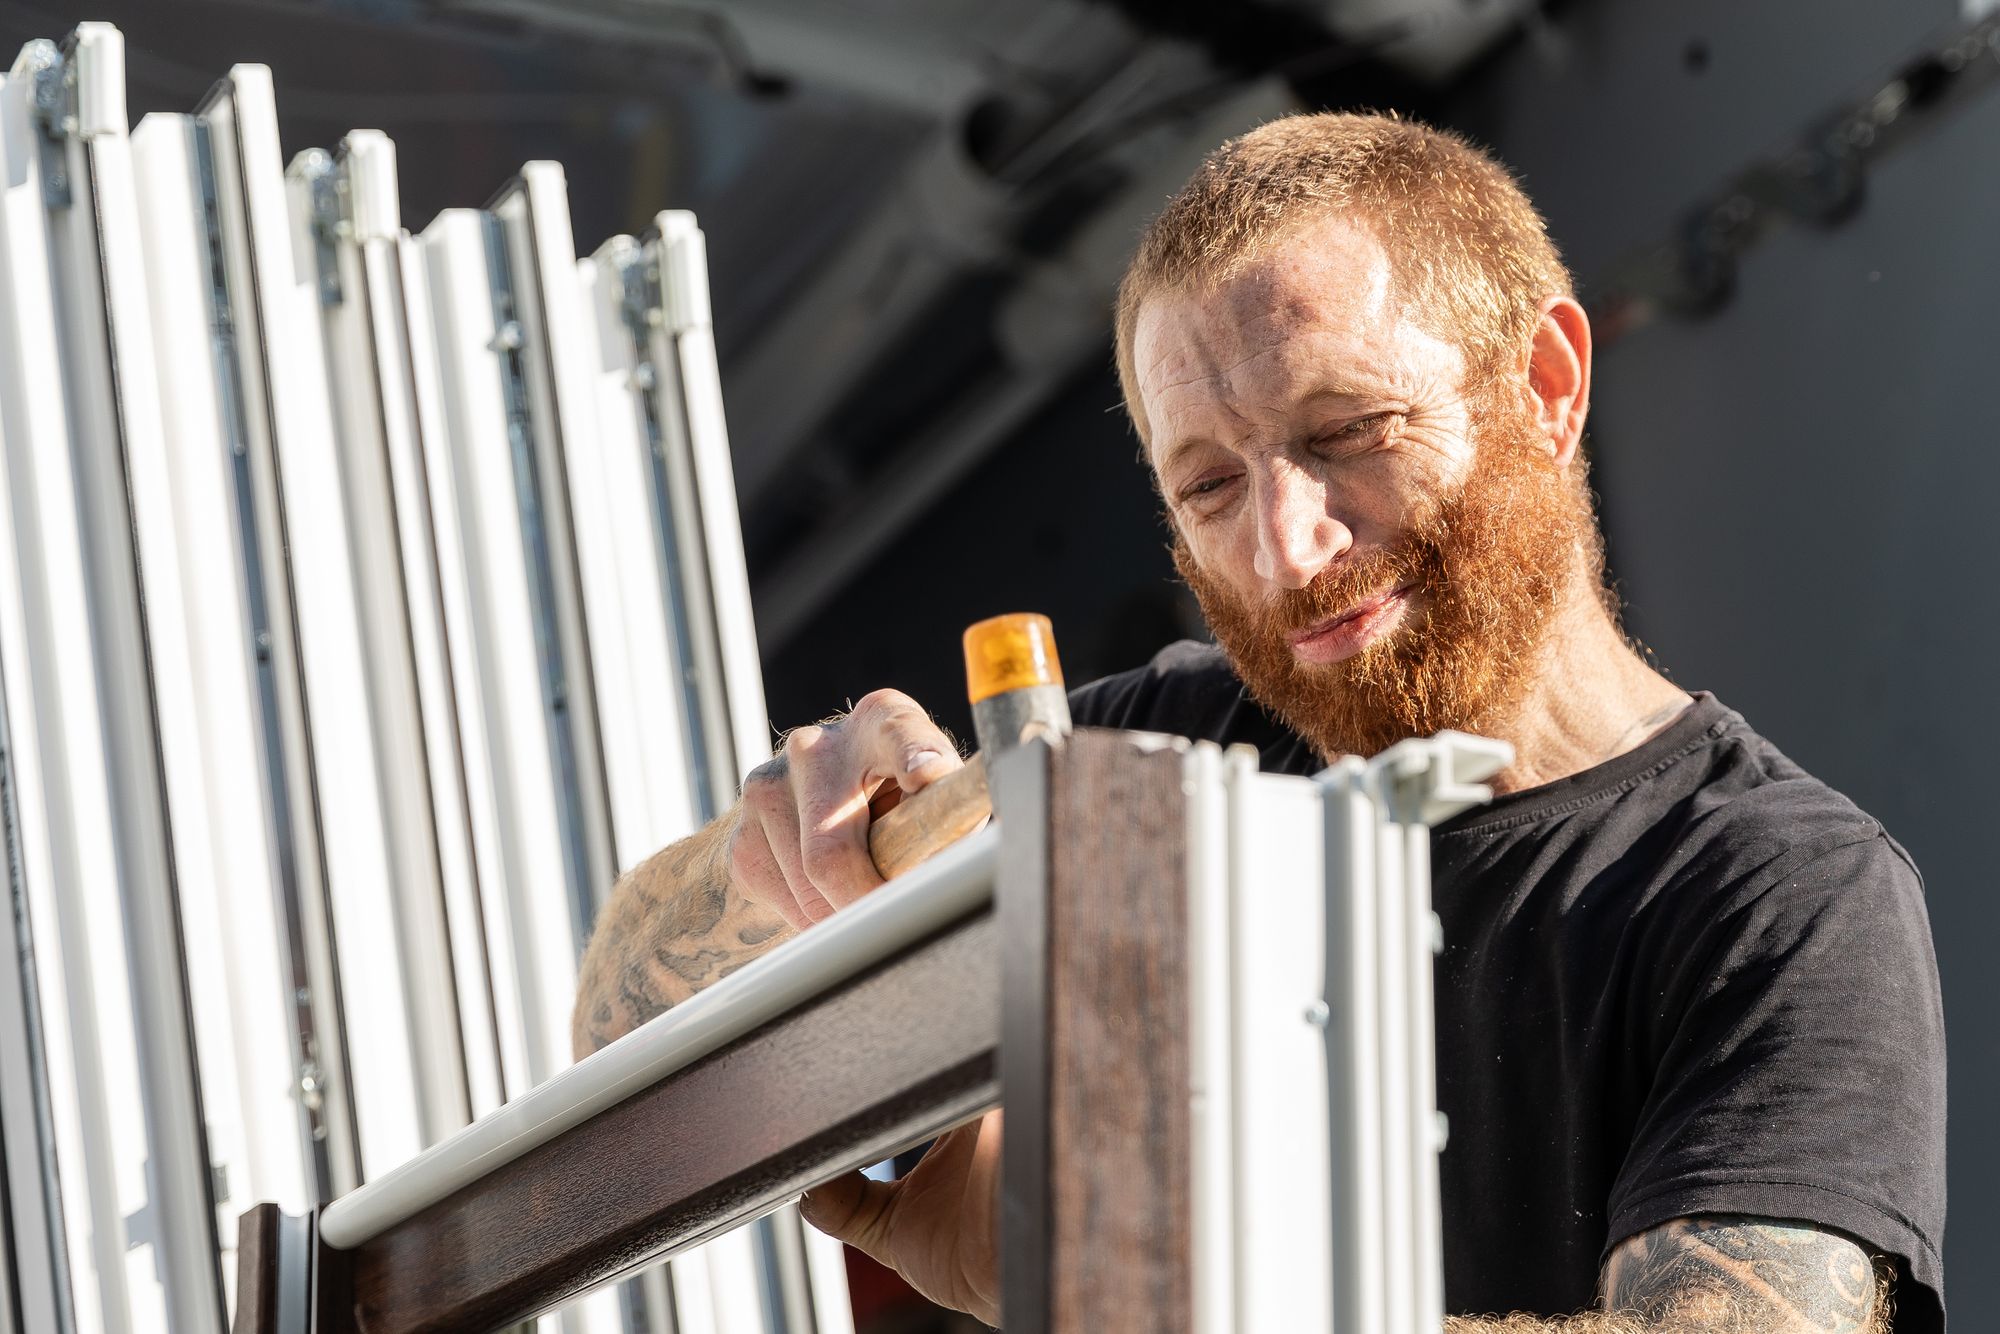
[895, 1055]
[1092, 886]
[257, 1270]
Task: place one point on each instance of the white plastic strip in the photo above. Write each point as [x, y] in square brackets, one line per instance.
[498, 663]
[646, 742]
[33, 1254]
[68, 835]
[578, 601]
[1354, 1048]
[951, 886]
[270, 383]
[361, 326]
[1211, 1097]
[683, 259]
[100, 260]
[242, 990]
[362, 879]
[481, 953]
[1277, 942]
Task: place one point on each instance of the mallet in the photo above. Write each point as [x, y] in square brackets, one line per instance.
[1014, 681]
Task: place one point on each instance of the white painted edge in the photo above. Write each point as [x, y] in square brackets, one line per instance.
[955, 883]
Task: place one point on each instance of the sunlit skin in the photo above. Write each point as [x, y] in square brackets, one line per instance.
[1296, 419]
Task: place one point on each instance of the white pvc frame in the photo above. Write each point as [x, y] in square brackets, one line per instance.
[510, 772]
[1313, 1098]
[573, 580]
[337, 845]
[344, 216]
[95, 855]
[362, 783]
[205, 657]
[1381, 936]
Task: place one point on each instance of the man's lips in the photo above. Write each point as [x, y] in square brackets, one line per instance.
[1344, 635]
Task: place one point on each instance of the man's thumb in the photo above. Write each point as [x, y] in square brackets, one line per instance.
[855, 1210]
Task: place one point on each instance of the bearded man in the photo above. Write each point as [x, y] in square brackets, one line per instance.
[1689, 1032]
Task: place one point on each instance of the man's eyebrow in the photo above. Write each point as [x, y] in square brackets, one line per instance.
[1325, 389]
[1320, 391]
[1173, 452]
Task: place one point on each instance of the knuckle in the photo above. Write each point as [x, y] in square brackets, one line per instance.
[880, 706]
[772, 775]
[763, 797]
[805, 740]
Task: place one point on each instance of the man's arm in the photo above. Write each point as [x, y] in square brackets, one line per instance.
[793, 850]
[674, 924]
[1725, 1274]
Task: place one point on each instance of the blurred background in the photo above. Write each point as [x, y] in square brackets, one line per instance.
[1784, 217]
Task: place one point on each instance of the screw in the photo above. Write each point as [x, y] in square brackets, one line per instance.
[1318, 1015]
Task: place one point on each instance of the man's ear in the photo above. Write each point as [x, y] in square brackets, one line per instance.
[1559, 375]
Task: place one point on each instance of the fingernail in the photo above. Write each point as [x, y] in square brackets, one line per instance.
[918, 759]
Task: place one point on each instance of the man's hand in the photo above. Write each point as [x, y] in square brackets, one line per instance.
[800, 848]
[937, 1227]
[794, 849]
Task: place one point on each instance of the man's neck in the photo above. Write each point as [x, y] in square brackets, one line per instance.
[1594, 698]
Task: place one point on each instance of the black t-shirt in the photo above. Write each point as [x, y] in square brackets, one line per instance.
[1690, 980]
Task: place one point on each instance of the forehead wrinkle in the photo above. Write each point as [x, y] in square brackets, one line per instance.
[1318, 313]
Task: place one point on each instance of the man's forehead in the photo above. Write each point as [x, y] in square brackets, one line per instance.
[1328, 277]
[1313, 315]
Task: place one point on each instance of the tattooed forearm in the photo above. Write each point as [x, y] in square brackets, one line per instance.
[1787, 1278]
[1724, 1274]
[673, 925]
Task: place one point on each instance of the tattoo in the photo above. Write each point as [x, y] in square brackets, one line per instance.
[1724, 1274]
[700, 967]
[1749, 1273]
[673, 925]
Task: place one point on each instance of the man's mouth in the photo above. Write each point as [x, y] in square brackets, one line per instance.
[1346, 634]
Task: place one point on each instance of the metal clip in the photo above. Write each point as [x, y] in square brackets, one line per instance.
[326, 210]
[54, 103]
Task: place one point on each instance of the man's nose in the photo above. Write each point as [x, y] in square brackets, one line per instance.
[1296, 536]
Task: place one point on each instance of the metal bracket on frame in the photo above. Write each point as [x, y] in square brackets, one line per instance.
[55, 116]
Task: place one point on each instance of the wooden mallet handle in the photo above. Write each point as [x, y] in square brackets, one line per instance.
[930, 819]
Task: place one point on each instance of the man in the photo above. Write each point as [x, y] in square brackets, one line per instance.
[1689, 1035]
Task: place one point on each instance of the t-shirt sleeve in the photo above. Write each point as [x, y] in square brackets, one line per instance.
[1805, 1076]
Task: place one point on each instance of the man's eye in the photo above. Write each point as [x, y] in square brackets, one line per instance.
[1360, 431]
[1206, 487]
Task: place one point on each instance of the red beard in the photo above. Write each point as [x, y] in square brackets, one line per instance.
[1488, 567]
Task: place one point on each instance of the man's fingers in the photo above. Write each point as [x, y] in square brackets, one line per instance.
[783, 835]
[902, 743]
[833, 815]
[755, 869]
[828, 773]
[777, 837]
[853, 1209]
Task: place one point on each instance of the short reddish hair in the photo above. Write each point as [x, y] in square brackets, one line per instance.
[1471, 258]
